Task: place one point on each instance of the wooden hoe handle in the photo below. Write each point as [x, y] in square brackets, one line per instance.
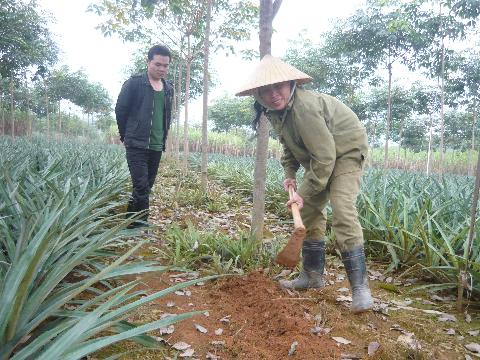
[290, 254]
[297, 220]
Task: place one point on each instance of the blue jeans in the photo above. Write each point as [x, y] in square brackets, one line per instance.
[143, 166]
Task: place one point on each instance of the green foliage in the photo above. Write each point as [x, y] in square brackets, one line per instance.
[378, 35]
[62, 84]
[231, 22]
[458, 130]
[229, 113]
[63, 245]
[25, 40]
[466, 9]
[221, 253]
[433, 27]
[334, 70]
[465, 83]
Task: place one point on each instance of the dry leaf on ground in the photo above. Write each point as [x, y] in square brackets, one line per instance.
[341, 340]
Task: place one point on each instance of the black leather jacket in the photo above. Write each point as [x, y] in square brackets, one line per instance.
[134, 110]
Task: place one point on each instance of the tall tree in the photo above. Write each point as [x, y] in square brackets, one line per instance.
[268, 10]
[381, 33]
[25, 40]
[444, 22]
[466, 91]
[62, 84]
[334, 70]
[205, 98]
[426, 102]
[25, 43]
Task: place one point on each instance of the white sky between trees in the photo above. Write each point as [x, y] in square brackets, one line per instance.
[105, 58]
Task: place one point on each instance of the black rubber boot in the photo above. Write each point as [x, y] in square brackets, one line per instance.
[313, 258]
[356, 269]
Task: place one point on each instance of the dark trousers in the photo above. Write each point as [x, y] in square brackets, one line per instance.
[143, 166]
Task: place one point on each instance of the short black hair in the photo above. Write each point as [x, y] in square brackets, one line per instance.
[159, 50]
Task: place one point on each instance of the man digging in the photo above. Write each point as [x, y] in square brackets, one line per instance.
[326, 138]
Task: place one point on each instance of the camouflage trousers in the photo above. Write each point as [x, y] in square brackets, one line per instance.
[342, 191]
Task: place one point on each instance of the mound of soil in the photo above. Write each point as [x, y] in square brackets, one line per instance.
[259, 320]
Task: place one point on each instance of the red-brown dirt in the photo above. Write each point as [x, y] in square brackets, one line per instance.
[263, 320]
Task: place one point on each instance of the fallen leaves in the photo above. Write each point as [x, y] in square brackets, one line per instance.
[473, 347]
[293, 348]
[341, 340]
[408, 340]
[318, 330]
[447, 317]
[373, 347]
[181, 345]
[414, 309]
[167, 330]
[225, 319]
[187, 353]
[200, 328]
[183, 293]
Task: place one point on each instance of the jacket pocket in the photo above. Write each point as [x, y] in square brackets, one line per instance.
[132, 125]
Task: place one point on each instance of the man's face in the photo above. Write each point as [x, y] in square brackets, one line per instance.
[275, 96]
[157, 68]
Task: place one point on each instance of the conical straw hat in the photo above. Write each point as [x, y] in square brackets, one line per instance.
[269, 71]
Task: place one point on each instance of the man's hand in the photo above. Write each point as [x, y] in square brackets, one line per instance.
[295, 199]
[289, 182]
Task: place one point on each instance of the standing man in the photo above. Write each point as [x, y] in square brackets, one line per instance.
[143, 113]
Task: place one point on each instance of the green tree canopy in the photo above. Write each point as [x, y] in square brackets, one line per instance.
[62, 84]
[229, 113]
[25, 41]
[458, 130]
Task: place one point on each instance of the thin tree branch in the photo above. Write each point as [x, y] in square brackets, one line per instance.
[276, 6]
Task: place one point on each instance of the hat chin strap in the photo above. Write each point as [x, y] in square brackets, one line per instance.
[293, 85]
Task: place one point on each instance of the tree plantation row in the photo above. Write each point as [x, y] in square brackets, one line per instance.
[409, 69]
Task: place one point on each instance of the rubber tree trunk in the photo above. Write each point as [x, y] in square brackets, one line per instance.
[442, 100]
[389, 115]
[268, 10]
[430, 139]
[1, 108]
[59, 120]
[29, 118]
[46, 107]
[187, 97]
[474, 125]
[205, 100]
[179, 103]
[463, 271]
[12, 109]
[400, 136]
